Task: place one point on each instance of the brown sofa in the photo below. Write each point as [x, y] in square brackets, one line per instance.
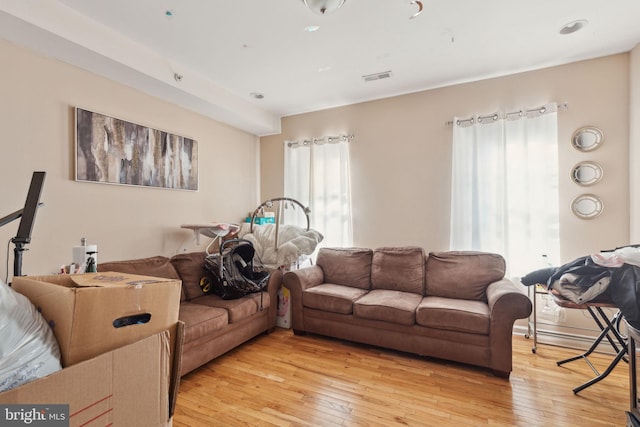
[213, 326]
[449, 305]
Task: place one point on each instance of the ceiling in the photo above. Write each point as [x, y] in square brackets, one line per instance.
[210, 55]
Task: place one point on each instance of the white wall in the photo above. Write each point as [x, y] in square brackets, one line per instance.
[401, 156]
[37, 100]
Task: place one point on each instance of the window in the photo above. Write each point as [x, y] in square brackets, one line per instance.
[505, 187]
[317, 175]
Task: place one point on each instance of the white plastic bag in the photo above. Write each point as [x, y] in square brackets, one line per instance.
[28, 348]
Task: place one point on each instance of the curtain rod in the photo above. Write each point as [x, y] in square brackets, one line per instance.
[495, 116]
[322, 140]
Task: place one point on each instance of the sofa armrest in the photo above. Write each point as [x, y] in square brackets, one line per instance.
[507, 298]
[297, 281]
[507, 303]
[273, 286]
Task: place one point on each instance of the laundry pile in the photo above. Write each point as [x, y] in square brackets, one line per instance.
[292, 242]
[614, 275]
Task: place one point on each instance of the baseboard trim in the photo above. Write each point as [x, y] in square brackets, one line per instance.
[562, 339]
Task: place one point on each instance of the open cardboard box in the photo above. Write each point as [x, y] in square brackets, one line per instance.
[134, 385]
[120, 342]
[93, 313]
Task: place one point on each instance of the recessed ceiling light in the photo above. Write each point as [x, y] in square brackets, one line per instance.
[574, 26]
[256, 95]
[324, 69]
[311, 28]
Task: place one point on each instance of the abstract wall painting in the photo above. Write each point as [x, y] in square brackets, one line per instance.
[114, 151]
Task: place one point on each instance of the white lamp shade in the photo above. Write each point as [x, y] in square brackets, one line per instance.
[322, 7]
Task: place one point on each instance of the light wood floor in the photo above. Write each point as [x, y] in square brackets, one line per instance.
[286, 380]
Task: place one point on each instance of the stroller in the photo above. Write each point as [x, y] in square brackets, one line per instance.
[235, 271]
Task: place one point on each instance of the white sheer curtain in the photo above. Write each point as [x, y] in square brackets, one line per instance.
[317, 174]
[505, 187]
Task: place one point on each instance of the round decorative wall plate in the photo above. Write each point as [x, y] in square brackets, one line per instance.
[586, 173]
[587, 206]
[587, 138]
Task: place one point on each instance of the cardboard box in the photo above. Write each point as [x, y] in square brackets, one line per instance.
[94, 313]
[128, 386]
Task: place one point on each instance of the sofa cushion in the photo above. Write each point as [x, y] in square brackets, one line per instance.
[200, 320]
[388, 306]
[398, 269]
[332, 297]
[462, 275]
[454, 315]
[237, 309]
[156, 266]
[190, 267]
[261, 298]
[346, 266]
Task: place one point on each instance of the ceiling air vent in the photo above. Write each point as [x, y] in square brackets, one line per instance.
[377, 76]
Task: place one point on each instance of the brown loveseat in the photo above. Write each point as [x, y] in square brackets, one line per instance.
[449, 305]
[213, 326]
